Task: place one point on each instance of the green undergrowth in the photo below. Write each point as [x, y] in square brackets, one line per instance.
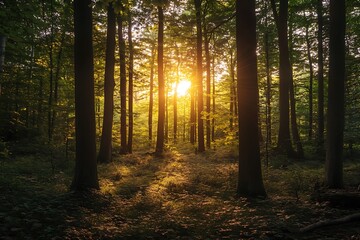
[182, 195]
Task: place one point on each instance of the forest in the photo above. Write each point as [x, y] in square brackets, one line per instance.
[175, 119]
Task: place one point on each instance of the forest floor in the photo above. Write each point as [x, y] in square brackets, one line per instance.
[180, 196]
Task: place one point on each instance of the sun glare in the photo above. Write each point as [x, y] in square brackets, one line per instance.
[182, 87]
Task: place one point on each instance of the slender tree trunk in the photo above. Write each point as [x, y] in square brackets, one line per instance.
[232, 92]
[166, 137]
[311, 77]
[105, 152]
[268, 87]
[161, 84]
[123, 138]
[193, 112]
[51, 74]
[284, 140]
[131, 84]
[208, 88]
[213, 101]
[151, 100]
[200, 97]
[320, 79]
[85, 176]
[249, 179]
[294, 124]
[336, 106]
[175, 94]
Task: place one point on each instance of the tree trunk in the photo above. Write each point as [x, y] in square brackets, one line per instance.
[105, 151]
[200, 97]
[175, 94]
[151, 100]
[192, 111]
[284, 140]
[123, 138]
[131, 84]
[231, 90]
[335, 116]
[311, 77]
[213, 102]
[320, 78]
[85, 176]
[268, 86]
[208, 88]
[161, 84]
[250, 182]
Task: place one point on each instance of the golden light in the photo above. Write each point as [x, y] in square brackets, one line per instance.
[182, 88]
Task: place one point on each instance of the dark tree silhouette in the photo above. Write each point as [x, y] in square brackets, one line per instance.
[336, 106]
[320, 79]
[161, 84]
[122, 49]
[250, 179]
[199, 72]
[109, 84]
[85, 176]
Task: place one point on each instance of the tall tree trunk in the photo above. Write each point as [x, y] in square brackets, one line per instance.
[320, 79]
[249, 178]
[213, 101]
[166, 136]
[151, 100]
[268, 85]
[311, 77]
[51, 74]
[161, 84]
[284, 140]
[131, 84]
[123, 139]
[176, 95]
[105, 151]
[192, 111]
[208, 87]
[85, 176]
[336, 106]
[294, 124]
[232, 92]
[200, 97]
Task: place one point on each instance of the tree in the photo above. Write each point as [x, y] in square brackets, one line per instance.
[122, 48]
[131, 83]
[106, 137]
[85, 176]
[250, 179]
[336, 107]
[284, 140]
[161, 84]
[320, 79]
[199, 73]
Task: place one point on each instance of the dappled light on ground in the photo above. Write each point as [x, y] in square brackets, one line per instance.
[179, 196]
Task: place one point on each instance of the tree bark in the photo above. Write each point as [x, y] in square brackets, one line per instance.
[250, 182]
[151, 99]
[85, 176]
[320, 79]
[161, 84]
[199, 72]
[208, 87]
[336, 108]
[311, 77]
[105, 152]
[284, 140]
[123, 132]
[131, 84]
